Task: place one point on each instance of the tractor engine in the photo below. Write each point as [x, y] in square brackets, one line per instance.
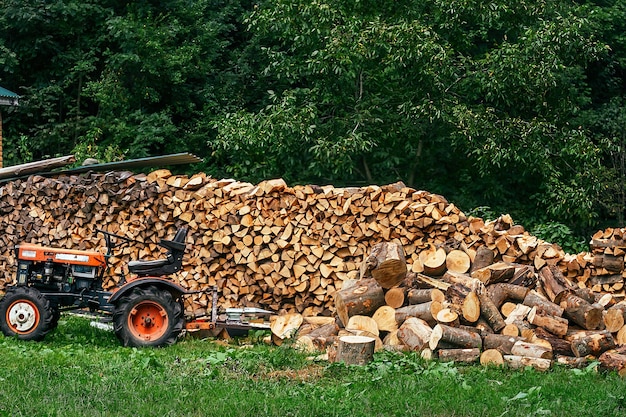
[53, 269]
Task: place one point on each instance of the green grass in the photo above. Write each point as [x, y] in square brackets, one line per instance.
[82, 371]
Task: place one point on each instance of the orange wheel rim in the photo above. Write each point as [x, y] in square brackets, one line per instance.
[23, 316]
[147, 321]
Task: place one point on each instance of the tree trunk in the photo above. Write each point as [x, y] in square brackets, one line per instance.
[386, 264]
[355, 350]
[364, 298]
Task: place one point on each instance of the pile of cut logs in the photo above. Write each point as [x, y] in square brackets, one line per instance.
[268, 245]
[496, 314]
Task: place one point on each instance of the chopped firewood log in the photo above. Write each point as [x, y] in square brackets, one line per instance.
[395, 297]
[593, 344]
[385, 318]
[494, 273]
[554, 283]
[501, 292]
[448, 316]
[521, 348]
[613, 361]
[588, 316]
[415, 333]
[614, 318]
[491, 313]
[362, 299]
[491, 357]
[285, 326]
[455, 336]
[468, 355]
[458, 261]
[484, 257]
[553, 324]
[422, 311]
[355, 350]
[363, 323]
[386, 264]
[471, 307]
[518, 362]
[419, 296]
[542, 304]
[500, 342]
[434, 261]
[559, 346]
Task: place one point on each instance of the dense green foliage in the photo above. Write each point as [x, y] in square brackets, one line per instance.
[81, 371]
[517, 106]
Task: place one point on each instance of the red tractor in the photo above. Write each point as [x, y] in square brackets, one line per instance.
[147, 309]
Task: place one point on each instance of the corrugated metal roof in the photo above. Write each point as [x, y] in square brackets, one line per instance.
[153, 161]
[38, 168]
[8, 98]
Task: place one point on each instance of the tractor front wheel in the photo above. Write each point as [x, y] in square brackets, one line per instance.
[26, 313]
[148, 316]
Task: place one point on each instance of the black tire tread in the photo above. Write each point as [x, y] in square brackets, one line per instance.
[46, 314]
[151, 292]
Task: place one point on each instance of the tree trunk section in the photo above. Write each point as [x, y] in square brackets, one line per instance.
[386, 263]
[355, 350]
[593, 344]
[455, 336]
[459, 355]
[588, 316]
[490, 313]
[553, 283]
[364, 298]
[543, 305]
[415, 333]
[554, 325]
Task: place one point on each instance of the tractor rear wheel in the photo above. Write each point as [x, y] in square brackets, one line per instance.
[26, 313]
[148, 316]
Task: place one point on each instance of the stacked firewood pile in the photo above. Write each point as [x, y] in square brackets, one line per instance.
[496, 314]
[266, 245]
[305, 249]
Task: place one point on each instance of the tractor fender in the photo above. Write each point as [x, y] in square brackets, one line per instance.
[161, 283]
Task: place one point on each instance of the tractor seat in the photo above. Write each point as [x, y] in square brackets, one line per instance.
[172, 263]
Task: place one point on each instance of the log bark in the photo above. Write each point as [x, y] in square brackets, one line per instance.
[518, 362]
[500, 342]
[419, 296]
[422, 311]
[593, 344]
[459, 355]
[494, 273]
[484, 257]
[559, 345]
[554, 325]
[553, 283]
[386, 264]
[490, 313]
[415, 333]
[532, 350]
[542, 304]
[588, 316]
[361, 299]
[499, 293]
[455, 336]
[355, 350]
[613, 361]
